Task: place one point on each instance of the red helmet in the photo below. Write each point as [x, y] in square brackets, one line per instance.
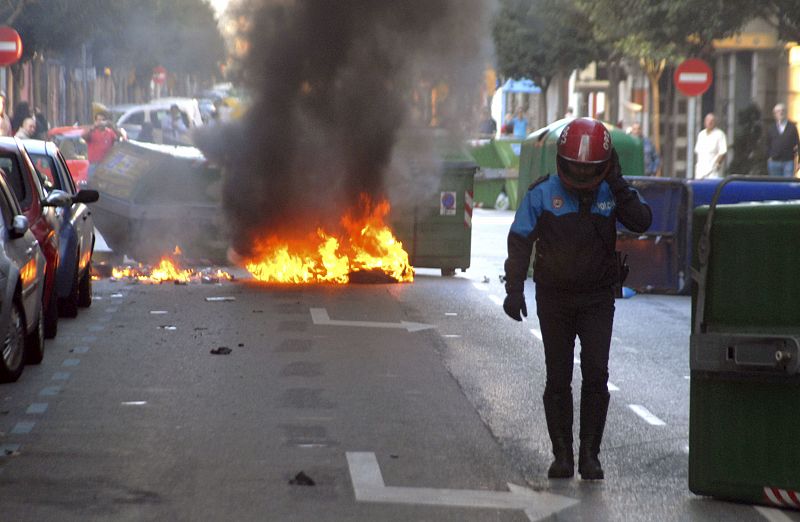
[584, 151]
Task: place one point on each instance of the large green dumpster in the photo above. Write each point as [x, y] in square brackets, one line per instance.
[498, 170]
[538, 153]
[436, 227]
[745, 343]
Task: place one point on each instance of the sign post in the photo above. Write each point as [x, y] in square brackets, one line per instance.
[692, 78]
[10, 46]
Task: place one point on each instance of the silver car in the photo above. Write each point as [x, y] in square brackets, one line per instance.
[22, 269]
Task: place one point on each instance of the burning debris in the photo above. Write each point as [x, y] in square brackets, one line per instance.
[367, 252]
[168, 271]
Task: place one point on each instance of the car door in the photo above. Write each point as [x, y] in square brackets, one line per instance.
[78, 214]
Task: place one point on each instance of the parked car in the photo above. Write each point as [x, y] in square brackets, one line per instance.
[76, 228]
[40, 209]
[73, 148]
[22, 274]
[143, 122]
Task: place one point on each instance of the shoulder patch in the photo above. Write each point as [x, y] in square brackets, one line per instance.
[538, 181]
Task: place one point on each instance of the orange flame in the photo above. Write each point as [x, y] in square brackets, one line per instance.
[167, 271]
[369, 245]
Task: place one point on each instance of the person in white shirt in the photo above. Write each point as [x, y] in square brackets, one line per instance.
[710, 149]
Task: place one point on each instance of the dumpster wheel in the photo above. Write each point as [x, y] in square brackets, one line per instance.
[448, 272]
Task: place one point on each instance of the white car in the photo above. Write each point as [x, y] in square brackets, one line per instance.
[133, 118]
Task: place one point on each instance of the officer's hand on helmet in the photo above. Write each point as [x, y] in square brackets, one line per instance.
[614, 168]
[514, 304]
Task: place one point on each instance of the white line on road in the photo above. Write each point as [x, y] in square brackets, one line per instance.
[452, 336]
[80, 349]
[773, 514]
[368, 486]
[22, 427]
[61, 376]
[320, 316]
[36, 408]
[97, 328]
[536, 333]
[496, 300]
[134, 403]
[644, 413]
[50, 391]
[71, 362]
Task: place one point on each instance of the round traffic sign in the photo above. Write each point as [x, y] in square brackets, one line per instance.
[10, 46]
[159, 75]
[693, 77]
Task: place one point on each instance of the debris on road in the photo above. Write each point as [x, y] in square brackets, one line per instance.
[222, 350]
[301, 479]
[168, 327]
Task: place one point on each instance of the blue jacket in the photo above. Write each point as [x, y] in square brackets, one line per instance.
[574, 233]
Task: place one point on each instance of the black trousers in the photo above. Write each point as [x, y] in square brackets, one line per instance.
[562, 317]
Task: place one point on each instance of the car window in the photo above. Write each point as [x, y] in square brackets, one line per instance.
[65, 175]
[135, 118]
[46, 168]
[72, 147]
[14, 177]
[7, 209]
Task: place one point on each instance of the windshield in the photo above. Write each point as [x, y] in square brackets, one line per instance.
[46, 168]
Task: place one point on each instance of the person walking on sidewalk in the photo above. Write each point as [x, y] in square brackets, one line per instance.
[782, 144]
[571, 220]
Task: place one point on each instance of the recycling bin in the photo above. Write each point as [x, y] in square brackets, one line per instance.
[744, 352]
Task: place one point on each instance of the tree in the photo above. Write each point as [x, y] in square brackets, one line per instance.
[539, 39]
[661, 32]
[785, 16]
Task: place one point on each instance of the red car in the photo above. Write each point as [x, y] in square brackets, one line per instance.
[73, 148]
[40, 209]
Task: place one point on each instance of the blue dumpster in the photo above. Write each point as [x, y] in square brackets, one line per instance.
[660, 260]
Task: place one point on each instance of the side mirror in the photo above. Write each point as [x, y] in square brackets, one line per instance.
[18, 227]
[86, 196]
[57, 198]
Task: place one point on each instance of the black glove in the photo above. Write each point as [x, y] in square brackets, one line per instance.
[514, 304]
[614, 178]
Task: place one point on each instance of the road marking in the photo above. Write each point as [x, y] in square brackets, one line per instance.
[111, 309]
[483, 287]
[452, 336]
[117, 296]
[134, 403]
[536, 333]
[320, 317]
[97, 328]
[36, 408]
[451, 314]
[80, 349]
[22, 427]
[576, 359]
[496, 300]
[158, 312]
[71, 362]
[644, 413]
[773, 514]
[90, 338]
[369, 487]
[50, 391]
[612, 387]
[61, 376]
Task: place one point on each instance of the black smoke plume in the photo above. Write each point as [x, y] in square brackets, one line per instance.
[332, 85]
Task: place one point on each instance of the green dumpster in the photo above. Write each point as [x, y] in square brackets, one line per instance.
[436, 228]
[745, 344]
[538, 153]
[498, 168]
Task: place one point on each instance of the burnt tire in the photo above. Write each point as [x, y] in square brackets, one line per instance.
[34, 341]
[12, 351]
[85, 288]
[51, 318]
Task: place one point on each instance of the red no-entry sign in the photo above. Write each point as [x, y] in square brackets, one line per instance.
[693, 77]
[10, 46]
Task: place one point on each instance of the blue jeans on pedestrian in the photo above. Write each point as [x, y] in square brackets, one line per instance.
[780, 168]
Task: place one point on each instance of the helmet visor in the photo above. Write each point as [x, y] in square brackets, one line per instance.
[581, 175]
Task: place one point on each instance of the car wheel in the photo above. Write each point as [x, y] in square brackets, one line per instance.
[11, 362]
[68, 306]
[34, 341]
[448, 272]
[85, 288]
[51, 318]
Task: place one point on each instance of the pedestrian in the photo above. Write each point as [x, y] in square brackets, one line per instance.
[42, 125]
[487, 127]
[22, 110]
[652, 161]
[27, 129]
[782, 144]
[711, 148]
[570, 114]
[173, 127]
[5, 121]
[571, 219]
[508, 125]
[100, 138]
[520, 123]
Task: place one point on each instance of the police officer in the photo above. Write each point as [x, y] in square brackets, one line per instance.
[569, 221]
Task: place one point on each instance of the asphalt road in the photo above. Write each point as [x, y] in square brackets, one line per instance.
[131, 417]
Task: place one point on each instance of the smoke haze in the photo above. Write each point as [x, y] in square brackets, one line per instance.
[333, 86]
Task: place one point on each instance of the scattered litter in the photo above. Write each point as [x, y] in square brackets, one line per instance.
[241, 345]
[181, 283]
[209, 280]
[200, 328]
[485, 279]
[222, 350]
[158, 312]
[394, 456]
[301, 479]
[258, 311]
[219, 299]
[168, 327]
[117, 296]
[11, 453]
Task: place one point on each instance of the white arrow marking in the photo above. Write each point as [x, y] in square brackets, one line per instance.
[369, 487]
[320, 316]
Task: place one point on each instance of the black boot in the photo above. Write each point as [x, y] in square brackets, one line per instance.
[594, 407]
[558, 412]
